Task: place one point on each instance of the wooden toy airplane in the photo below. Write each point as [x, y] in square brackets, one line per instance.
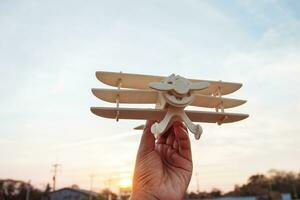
[171, 95]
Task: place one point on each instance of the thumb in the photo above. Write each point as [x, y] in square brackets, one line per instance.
[147, 143]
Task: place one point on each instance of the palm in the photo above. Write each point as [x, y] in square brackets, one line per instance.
[166, 170]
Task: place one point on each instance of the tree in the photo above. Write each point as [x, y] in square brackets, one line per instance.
[17, 190]
[46, 193]
[106, 192]
[265, 185]
[215, 192]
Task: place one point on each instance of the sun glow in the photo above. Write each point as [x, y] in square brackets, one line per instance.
[125, 183]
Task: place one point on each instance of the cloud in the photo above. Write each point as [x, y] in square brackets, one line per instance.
[95, 140]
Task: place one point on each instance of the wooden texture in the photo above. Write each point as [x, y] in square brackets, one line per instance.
[158, 114]
[140, 127]
[150, 97]
[213, 102]
[127, 96]
[138, 81]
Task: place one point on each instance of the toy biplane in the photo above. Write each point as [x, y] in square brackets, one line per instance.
[171, 95]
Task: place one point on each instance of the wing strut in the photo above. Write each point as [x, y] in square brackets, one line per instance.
[118, 98]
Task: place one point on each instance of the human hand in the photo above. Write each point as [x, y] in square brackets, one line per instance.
[163, 168]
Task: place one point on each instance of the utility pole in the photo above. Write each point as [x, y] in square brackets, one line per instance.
[295, 191]
[55, 169]
[197, 182]
[27, 190]
[109, 182]
[91, 186]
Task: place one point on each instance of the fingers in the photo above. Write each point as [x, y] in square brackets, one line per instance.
[176, 160]
[182, 138]
[164, 137]
[147, 143]
[177, 139]
[176, 134]
[170, 137]
[164, 141]
[181, 162]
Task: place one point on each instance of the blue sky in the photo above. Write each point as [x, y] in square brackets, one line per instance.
[50, 50]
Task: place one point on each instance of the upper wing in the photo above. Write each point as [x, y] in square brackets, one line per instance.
[134, 81]
[158, 114]
[139, 81]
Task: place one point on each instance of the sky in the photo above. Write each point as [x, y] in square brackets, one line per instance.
[50, 50]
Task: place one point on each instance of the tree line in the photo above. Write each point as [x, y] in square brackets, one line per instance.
[274, 181]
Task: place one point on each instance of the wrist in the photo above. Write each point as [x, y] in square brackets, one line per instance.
[142, 195]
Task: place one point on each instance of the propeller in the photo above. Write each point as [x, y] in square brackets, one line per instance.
[178, 84]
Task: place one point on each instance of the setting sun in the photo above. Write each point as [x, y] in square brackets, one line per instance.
[125, 183]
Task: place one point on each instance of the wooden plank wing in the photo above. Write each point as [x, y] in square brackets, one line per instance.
[213, 102]
[139, 81]
[140, 127]
[151, 96]
[158, 114]
[134, 81]
[127, 96]
[215, 117]
[129, 113]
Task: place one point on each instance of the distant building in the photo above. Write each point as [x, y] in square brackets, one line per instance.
[285, 196]
[228, 198]
[73, 194]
